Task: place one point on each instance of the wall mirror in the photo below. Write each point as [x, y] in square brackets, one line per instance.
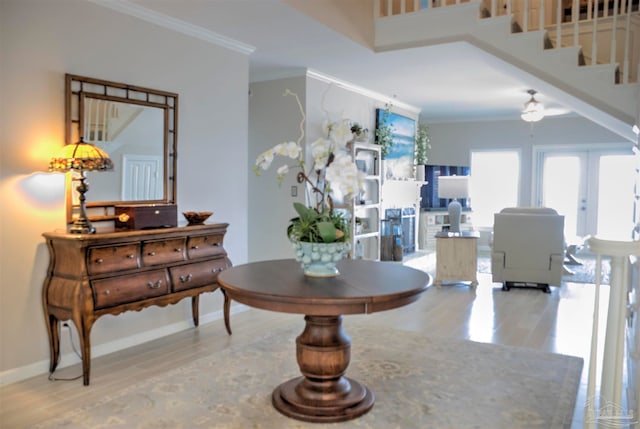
[137, 127]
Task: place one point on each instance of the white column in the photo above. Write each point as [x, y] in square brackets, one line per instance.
[613, 356]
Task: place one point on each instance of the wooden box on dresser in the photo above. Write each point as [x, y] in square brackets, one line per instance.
[91, 275]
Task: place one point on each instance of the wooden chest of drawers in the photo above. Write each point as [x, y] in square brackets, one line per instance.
[91, 275]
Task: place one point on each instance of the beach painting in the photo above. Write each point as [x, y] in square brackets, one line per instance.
[398, 163]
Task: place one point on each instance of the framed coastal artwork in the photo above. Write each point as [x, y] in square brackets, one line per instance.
[398, 164]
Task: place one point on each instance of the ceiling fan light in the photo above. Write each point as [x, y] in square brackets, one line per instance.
[532, 115]
[533, 110]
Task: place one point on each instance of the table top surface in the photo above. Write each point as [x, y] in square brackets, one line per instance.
[363, 286]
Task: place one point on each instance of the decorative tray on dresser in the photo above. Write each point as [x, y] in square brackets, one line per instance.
[91, 275]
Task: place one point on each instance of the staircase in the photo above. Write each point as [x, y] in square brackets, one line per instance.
[537, 45]
[104, 120]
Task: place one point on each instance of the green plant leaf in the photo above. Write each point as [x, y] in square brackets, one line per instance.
[327, 231]
[307, 214]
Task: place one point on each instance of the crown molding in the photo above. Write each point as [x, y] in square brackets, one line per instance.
[360, 90]
[166, 21]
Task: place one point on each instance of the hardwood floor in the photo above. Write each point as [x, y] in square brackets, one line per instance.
[559, 322]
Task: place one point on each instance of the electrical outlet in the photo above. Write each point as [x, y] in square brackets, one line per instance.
[294, 191]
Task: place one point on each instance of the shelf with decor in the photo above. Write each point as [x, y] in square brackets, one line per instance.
[364, 210]
[433, 222]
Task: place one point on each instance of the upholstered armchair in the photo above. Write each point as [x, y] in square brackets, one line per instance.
[528, 247]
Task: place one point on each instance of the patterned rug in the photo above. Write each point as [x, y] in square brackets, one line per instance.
[418, 382]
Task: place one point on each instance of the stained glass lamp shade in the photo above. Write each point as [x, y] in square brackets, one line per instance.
[81, 157]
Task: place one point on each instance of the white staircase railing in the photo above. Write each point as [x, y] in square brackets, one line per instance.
[104, 120]
[608, 29]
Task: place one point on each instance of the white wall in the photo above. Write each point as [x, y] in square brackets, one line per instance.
[273, 119]
[43, 40]
[452, 143]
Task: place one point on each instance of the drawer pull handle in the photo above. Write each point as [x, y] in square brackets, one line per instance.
[217, 270]
[156, 285]
[215, 244]
[177, 249]
[99, 261]
[107, 292]
[131, 256]
[187, 278]
[152, 253]
[194, 247]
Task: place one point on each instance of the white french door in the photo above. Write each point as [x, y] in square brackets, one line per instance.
[592, 188]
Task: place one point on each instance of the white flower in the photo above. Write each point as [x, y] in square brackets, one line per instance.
[343, 175]
[332, 169]
[264, 159]
[320, 151]
[288, 149]
[341, 133]
[282, 171]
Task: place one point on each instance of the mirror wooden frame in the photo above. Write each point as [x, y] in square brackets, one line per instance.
[79, 87]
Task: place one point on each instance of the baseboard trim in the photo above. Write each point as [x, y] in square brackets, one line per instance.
[18, 374]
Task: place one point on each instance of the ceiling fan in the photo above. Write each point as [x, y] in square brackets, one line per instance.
[534, 110]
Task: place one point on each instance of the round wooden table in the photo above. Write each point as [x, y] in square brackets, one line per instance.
[323, 393]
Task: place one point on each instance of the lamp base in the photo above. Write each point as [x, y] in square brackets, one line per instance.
[455, 213]
[82, 225]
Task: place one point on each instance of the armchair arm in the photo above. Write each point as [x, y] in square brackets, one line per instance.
[556, 262]
[497, 265]
[556, 268]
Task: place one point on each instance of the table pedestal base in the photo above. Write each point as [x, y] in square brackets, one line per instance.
[323, 394]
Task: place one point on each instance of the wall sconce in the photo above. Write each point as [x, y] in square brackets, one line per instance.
[453, 187]
[81, 157]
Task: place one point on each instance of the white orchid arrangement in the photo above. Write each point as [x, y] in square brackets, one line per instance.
[332, 169]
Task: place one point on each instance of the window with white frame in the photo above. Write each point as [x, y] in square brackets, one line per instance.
[494, 183]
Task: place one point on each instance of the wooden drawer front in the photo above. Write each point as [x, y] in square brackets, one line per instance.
[135, 287]
[205, 245]
[113, 258]
[163, 252]
[198, 274]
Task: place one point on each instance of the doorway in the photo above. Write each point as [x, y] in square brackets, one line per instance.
[592, 188]
[141, 178]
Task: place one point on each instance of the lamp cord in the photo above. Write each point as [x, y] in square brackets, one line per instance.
[73, 346]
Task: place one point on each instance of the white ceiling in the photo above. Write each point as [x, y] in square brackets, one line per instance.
[452, 82]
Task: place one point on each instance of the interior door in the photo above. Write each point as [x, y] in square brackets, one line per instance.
[141, 177]
[593, 189]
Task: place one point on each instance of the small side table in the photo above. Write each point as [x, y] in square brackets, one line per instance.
[457, 257]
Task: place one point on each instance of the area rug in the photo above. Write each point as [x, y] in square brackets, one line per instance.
[585, 273]
[418, 382]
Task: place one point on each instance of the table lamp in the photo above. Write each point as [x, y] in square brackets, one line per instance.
[81, 157]
[453, 187]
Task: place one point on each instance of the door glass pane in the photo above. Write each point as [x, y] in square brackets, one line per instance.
[494, 183]
[561, 189]
[615, 197]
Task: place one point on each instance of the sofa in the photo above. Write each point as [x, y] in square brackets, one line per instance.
[528, 248]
